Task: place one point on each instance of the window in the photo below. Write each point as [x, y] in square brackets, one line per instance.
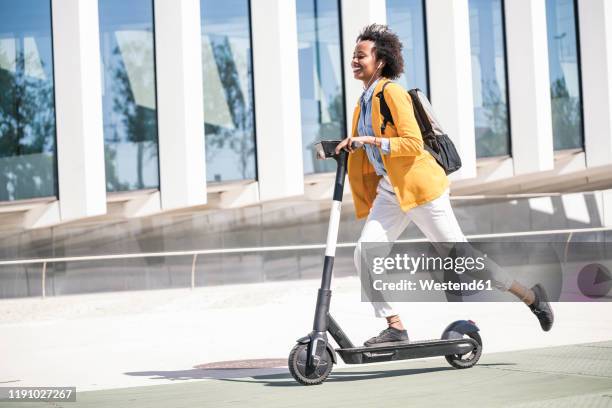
[321, 86]
[129, 94]
[27, 110]
[489, 78]
[407, 19]
[564, 68]
[229, 124]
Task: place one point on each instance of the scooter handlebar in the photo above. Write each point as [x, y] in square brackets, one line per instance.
[326, 149]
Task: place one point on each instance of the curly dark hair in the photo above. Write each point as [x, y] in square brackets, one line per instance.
[387, 47]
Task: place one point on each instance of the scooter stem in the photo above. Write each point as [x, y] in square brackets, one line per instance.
[324, 295]
[318, 337]
[334, 218]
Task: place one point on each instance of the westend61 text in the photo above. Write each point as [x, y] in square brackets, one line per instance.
[432, 285]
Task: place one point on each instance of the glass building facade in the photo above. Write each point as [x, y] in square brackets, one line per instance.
[28, 159]
[321, 86]
[27, 109]
[229, 123]
[487, 43]
[129, 94]
[407, 19]
[564, 67]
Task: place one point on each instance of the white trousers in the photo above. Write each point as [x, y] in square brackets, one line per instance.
[435, 219]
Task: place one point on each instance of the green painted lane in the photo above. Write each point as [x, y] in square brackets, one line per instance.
[566, 376]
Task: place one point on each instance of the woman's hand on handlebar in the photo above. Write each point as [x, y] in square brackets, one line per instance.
[354, 142]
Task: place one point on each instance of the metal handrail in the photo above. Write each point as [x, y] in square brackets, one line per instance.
[195, 253]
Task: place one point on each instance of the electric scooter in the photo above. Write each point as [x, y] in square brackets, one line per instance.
[311, 360]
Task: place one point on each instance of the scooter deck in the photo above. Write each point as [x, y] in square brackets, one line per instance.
[406, 350]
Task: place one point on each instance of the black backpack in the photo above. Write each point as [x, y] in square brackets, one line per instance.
[435, 141]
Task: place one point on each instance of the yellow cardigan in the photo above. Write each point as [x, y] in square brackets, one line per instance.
[415, 175]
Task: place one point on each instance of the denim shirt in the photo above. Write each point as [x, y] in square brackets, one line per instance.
[364, 128]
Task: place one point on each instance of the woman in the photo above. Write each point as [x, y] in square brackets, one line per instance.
[394, 180]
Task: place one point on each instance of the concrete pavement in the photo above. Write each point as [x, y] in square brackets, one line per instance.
[564, 376]
[132, 339]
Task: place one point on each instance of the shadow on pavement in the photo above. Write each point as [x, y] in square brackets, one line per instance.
[285, 379]
[280, 377]
[206, 373]
[221, 369]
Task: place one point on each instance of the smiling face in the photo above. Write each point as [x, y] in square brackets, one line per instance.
[364, 62]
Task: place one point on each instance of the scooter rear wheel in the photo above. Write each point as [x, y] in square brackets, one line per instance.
[297, 366]
[469, 359]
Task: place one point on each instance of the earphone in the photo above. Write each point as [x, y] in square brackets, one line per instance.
[373, 76]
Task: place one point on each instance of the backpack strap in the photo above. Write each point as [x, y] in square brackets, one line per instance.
[419, 113]
[384, 109]
[420, 116]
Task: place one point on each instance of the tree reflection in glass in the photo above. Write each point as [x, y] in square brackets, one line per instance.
[489, 78]
[493, 139]
[129, 105]
[27, 112]
[407, 19]
[566, 101]
[321, 87]
[228, 90]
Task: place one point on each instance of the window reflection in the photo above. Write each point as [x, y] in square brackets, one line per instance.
[321, 88]
[228, 90]
[128, 92]
[564, 74]
[489, 78]
[27, 111]
[407, 19]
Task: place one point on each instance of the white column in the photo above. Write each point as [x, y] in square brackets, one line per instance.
[78, 109]
[280, 169]
[595, 27]
[450, 76]
[355, 15]
[180, 103]
[529, 86]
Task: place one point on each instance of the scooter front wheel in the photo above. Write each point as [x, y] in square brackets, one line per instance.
[297, 366]
[469, 359]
